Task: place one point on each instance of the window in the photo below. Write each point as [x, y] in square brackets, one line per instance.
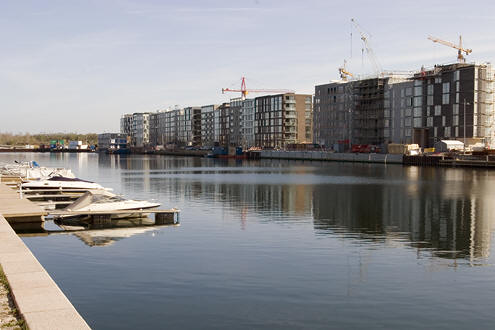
[417, 122]
[418, 101]
[409, 91]
[438, 80]
[417, 112]
[443, 121]
[418, 91]
[445, 98]
[438, 110]
[429, 121]
[430, 89]
[429, 100]
[456, 120]
[455, 109]
[446, 87]
[457, 75]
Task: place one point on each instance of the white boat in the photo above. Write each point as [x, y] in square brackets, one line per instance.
[32, 171]
[105, 201]
[61, 182]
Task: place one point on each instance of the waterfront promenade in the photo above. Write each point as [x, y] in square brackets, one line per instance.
[37, 297]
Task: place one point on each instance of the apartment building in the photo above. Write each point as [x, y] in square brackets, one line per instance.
[272, 121]
[423, 108]
[276, 119]
[455, 102]
[210, 125]
[235, 122]
[126, 124]
[247, 123]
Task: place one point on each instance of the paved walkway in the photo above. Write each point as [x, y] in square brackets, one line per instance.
[38, 298]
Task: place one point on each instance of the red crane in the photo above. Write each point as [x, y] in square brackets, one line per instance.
[244, 91]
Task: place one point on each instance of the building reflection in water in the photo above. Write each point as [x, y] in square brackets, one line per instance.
[446, 211]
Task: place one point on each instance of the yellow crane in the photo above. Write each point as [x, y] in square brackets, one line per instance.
[460, 49]
[344, 73]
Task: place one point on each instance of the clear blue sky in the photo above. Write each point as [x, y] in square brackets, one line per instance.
[77, 66]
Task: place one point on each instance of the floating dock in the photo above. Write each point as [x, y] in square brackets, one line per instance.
[20, 213]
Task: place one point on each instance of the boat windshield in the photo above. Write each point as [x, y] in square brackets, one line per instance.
[100, 199]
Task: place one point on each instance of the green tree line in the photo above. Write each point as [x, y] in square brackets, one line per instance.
[37, 139]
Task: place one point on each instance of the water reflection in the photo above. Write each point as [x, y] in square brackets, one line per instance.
[101, 234]
[446, 212]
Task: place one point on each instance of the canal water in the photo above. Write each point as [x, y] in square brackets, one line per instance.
[281, 245]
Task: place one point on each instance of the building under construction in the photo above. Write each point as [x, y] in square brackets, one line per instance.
[452, 101]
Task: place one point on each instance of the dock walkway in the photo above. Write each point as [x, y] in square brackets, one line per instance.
[19, 210]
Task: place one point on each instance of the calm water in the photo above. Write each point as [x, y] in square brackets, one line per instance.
[282, 245]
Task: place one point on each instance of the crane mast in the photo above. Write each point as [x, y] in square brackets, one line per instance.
[365, 38]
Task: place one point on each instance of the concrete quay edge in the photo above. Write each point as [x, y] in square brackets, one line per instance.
[38, 298]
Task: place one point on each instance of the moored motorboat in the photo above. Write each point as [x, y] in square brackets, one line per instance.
[61, 182]
[101, 201]
[32, 171]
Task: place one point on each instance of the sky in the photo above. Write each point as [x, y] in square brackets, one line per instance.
[77, 66]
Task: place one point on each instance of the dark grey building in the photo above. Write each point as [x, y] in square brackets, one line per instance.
[453, 102]
[423, 108]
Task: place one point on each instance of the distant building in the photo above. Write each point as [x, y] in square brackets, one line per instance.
[140, 132]
[451, 99]
[109, 141]
[126, 124]
[247, 122]
[210, 125]
[280, 119]
[423, 108]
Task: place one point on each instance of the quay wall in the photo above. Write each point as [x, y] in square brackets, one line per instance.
[332, 156]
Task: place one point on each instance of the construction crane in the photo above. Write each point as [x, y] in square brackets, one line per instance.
[460, 49]
[344, 73]
[244, 91]
[365, 38]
